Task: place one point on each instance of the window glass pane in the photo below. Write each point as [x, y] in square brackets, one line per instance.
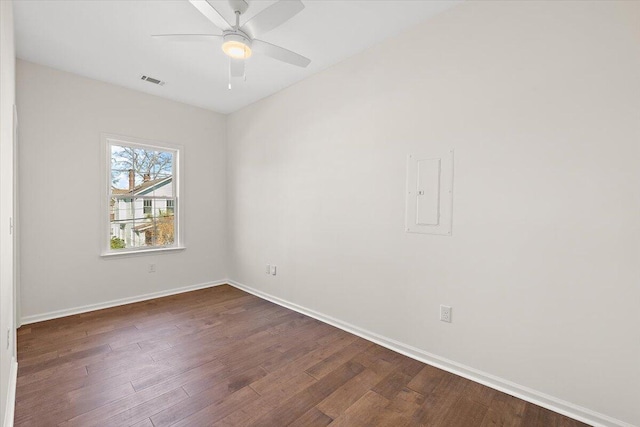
[159, 227]
[161, 165]
[139, 223]
[143, 233]
[120, 165]
[158, 178]
[161, 187]
[141, 171]
[127, 164]
[120, 232]
[119, 210]
[164, 229]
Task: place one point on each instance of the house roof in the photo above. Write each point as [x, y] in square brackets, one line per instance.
[144, 188]
[144, 226]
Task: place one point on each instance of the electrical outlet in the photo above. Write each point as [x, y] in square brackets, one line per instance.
[273, 270]
[268, 269]
[152, 268]
[445, 313]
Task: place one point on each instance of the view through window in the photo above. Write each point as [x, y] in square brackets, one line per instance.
[143, 203]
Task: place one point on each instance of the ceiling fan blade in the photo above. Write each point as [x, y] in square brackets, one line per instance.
[186, 37]
[236, 67]
[279, 53]
[272, 17]
[211, 13]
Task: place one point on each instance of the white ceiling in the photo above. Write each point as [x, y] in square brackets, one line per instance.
[110, 41]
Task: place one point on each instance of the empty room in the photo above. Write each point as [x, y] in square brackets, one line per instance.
[320, 213]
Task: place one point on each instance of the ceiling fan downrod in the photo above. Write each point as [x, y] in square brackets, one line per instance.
[237, 26]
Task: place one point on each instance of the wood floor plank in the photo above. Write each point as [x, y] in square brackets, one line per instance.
[427, 380]
[67, 359]
[328, 365]
[536, 416]
[349, 393]
[398, 413]
[222, 357]
[218, 391]
[144, 423]
[312, 418]
[395, 381]
[437, 404]
[504, 410]
[298, 404]
[465, 412]
[282, 389]
[57, 409]
[218, 410]
[142, 412]
[266, 384]
[362, 412]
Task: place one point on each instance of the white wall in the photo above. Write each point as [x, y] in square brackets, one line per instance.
[61, 118]
[541, 102]
[7, 100]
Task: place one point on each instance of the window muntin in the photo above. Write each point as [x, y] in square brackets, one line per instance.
[143, 184]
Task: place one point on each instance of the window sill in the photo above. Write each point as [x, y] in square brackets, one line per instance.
[142, 252]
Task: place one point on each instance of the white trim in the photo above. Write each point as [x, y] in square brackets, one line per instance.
[10, 404]
[16, 223]
[106, 139]
[546, 401]
[114, 303]
[144, 251]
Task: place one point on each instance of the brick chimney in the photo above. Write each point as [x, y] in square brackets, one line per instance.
[146, 177]
[132, 179]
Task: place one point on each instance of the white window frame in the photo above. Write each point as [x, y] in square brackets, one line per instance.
[144, 206]
[107, 140]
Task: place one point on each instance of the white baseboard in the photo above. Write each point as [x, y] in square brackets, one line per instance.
[541, 399]
[114, 303]
[10, 404]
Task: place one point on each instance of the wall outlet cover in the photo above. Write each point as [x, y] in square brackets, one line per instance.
[445, 313]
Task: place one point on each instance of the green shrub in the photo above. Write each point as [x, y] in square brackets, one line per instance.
[117, 243]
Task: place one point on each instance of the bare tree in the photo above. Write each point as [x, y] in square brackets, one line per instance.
[155, 164]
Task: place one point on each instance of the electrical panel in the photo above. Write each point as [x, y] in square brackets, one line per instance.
[429, 197]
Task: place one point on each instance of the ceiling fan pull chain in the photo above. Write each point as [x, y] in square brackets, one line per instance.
[229, 73]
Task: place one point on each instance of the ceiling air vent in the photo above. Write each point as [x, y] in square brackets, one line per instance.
[152, 80]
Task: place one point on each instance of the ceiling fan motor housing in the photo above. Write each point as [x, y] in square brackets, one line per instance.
[236, 36]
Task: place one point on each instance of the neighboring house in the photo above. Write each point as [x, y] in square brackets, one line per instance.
[135, 220]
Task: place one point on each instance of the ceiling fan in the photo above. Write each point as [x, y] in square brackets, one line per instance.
[239, 41]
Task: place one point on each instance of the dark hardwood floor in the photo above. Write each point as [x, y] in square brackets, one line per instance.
[222, 357]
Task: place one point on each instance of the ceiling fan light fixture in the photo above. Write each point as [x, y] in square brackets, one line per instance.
[236, 50]
[236, 46]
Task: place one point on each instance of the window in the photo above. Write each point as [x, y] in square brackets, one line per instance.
[142, 198]
[146, 209]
